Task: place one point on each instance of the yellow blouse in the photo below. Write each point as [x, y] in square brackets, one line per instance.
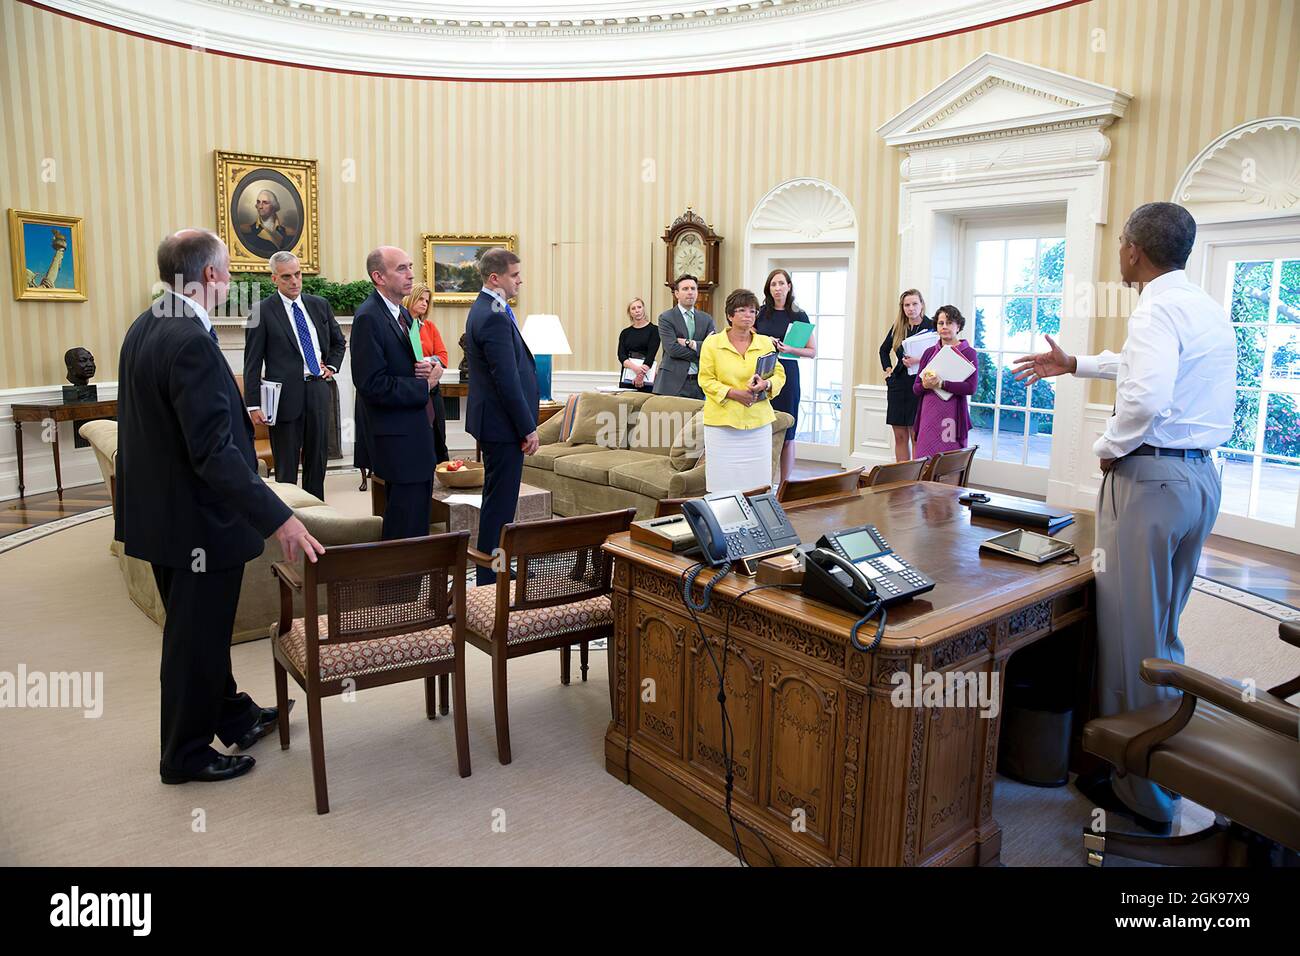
[723, 368]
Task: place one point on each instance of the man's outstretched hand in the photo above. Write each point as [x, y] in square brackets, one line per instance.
[1034, 368]
[294, 537]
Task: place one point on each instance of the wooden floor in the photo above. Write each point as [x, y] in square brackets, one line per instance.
[18, 514]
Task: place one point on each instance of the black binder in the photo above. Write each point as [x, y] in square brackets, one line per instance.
[1024, 512]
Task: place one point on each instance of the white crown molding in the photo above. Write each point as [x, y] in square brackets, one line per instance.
[1250, 172]
[442, 40]
[995, 97]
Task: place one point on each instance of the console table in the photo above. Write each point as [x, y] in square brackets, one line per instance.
[72, 412]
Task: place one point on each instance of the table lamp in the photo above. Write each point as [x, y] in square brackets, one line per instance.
[545, 337]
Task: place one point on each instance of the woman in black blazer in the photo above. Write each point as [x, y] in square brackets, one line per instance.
[900, 413]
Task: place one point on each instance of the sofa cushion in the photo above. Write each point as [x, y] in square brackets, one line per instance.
[536, 623]
[688, 449]
[366, 657]
[601, 420]
[547, 454]
[595, 466]
[568, 417]
[660, 420]
[650, 476]
[293, 495]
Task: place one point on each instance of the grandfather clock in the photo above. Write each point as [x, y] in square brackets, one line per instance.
[693, 250]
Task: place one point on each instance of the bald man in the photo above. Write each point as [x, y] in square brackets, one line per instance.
[393, 385]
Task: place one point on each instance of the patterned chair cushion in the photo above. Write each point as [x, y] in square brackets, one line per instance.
[533, 624]
[367, 657]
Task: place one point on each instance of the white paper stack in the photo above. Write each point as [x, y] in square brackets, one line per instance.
[270, 400]
[951, 366]
[914, 346]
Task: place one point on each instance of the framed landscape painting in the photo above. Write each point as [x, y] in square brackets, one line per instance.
[451, 264]
[46, 251]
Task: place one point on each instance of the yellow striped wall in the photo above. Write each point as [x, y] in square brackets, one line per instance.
[132, 124]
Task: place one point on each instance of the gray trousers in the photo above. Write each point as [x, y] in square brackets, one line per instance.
[1153, 515]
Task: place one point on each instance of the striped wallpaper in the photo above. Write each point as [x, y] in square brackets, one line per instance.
[131, 126]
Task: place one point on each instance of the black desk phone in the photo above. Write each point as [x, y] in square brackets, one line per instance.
[855, 566]
[730, 527]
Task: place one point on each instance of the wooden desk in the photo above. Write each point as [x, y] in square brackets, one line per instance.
[72, 412]
[814, 724]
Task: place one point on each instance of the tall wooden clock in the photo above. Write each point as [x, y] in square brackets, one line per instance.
[693, 250]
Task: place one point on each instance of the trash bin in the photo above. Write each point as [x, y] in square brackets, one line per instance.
[1037, 713]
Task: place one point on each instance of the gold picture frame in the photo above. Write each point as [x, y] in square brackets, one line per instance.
[455, 254]
[267, 204]
[38, 249]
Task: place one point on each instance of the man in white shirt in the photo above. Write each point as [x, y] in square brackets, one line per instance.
[1175, 395]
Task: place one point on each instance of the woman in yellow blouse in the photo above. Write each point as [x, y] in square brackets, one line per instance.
[738, 413]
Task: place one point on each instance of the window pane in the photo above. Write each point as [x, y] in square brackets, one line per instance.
[805, 291]
[1043, 394]
[988, 267]
[1284, 363]
[986, 387]
[1017, 325]
[1250, 354]
[834, 285]
[806, 377]
[1021, 272]
[1279, 484]
[830, 336]
[804, 428]
[1048, 321]
[830, 375]
[1251, 282]
[1288, 294]
[1245, 418]
[1014, 393]
[981, 432]
[828, 423]
[1282, 426]
[1040, 439]
[1051, 265]
[1235, 479]
[1011, 436]
[988, 323]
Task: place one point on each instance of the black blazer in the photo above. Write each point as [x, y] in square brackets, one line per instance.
[390, 399]
[900, 377]
[503, 376]
[271, 339]
[186, 470]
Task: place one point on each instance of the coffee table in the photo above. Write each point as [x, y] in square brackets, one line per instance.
[461, 512]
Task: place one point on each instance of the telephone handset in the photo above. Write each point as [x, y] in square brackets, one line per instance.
[729, 526]
[837, 580]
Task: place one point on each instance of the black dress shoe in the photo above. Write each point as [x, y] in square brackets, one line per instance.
[1102, 794]
[267, 720]
[224, 767]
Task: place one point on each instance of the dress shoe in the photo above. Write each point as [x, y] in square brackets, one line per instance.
[224, 767]
[1102, 794]
[267, 720]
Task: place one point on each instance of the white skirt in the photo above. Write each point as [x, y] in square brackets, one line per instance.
[737, 459]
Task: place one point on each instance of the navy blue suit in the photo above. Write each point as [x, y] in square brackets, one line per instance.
[391, 417]
[501, 413]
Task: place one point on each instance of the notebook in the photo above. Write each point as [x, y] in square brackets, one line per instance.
[798, 334]
[1023, 511]
[951, 366]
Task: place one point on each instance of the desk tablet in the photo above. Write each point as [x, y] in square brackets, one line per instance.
[1028, 545]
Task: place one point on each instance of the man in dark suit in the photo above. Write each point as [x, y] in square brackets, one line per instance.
[502, 407]
[392, 392]
[681, 330]
[301, 345]
[190, 503]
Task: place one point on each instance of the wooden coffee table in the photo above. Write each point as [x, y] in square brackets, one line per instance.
[461, 513]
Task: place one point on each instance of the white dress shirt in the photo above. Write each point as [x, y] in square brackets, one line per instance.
[1176, 376]
[201, 312]
[311, 331]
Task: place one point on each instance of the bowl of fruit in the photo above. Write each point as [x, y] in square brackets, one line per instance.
[460, 474]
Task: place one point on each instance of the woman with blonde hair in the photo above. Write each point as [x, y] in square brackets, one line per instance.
[420, 303]
[638, 345]
[900, 413]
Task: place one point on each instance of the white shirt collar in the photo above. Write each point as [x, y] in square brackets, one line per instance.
[201, 312]
[683, 310]
[1162, 283]
[396, 310]
[288, 302]
[498, 296]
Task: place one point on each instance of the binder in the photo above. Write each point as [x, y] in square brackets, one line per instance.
[1023, 511]
[270, 399]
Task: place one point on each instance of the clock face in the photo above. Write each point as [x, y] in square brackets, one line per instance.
[689, 257]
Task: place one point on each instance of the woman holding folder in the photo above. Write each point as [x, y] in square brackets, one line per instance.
[900, 413]
[943, 424]
[430, 346]
[781, 320]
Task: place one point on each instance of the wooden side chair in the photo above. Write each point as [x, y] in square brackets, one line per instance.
[673, 506]
[559, 596]
[951, 467]
[897, 471]
[394, 611]
[841, 483]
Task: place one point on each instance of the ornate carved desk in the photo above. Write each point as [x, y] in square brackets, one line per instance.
[815, 728]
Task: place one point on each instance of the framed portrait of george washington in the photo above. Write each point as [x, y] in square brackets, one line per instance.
[47, 258]
[265, 205]
[451, 264]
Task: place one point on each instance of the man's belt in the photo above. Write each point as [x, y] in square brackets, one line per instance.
[1192, 453]
[314, 378]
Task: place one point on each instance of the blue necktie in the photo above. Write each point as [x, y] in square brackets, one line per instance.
[511, 313]
[212, 333]
[304, 339]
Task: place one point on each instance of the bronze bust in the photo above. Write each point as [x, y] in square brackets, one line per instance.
[81, 365]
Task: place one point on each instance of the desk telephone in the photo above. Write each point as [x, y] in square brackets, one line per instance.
[731, 527]
[856, 567]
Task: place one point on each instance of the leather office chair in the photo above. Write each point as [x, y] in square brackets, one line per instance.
[1232, 751]
[951, 467]
[261, 436]
[391, 615]
[560, 596]
[673, 506]
[897, 471]
[841, 483]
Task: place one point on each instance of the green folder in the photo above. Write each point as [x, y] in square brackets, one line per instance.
[416, 345]
[798, 334]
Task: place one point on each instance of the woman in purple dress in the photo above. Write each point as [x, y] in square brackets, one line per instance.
[943, 425]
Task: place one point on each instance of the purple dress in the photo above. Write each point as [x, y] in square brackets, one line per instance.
[940, 425]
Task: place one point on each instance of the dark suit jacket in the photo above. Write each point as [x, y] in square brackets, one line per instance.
[390, 399]
[676, 362]
[502, 375]
[272, 341]
[186, 469]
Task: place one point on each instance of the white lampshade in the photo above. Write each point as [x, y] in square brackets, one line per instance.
[544, 335]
